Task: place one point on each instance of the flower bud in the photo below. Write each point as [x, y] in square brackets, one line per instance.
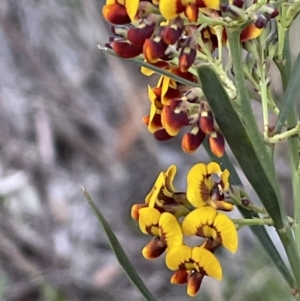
[172, 32]
[217, 144]
[187, 55]
[191, 141]
[206, 122]
[173, 122]
[126, 50]
[162, 135]
[116, 14]
[154, 49]
[137, 36]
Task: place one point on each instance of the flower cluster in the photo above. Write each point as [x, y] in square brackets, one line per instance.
[178, 36]
[168, 215]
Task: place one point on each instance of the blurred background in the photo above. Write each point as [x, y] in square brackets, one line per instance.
[71, 116]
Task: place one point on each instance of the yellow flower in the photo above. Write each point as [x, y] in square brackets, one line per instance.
[170, 8]
[192, 264]
[165, 229]
[206, 185]
[164, 197]
[207, 222]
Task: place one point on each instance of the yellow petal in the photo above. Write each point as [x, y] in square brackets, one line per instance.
[170, 230]
[168, 9]
[198, 185]
[146, 71]
[151, 95]
[224, 177]
[171, 172]
[165, 86]
[178, 257]
[213, 4]
[227, 232]
[198, 219]
[148, 221]
[131, 8]
[206, 263]
[214, 167]
[153, 194]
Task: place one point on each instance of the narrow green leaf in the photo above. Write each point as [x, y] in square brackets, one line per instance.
[258, 231]
[119, 252]
[290, 96]
[240, 143]
[156, 69]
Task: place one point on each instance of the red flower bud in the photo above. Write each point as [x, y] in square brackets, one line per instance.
[217, 144]
[126, 50]
[116, 14]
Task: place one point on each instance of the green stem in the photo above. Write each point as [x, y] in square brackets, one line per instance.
[253, 221]
[279, 137]
[263, 91]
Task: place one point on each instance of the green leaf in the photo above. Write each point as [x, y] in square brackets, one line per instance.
[290, 96]
[119, 252]
[240, 143]
[259, 231]
[156, 69]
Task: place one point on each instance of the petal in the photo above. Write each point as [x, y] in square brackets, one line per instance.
[162, 135]
[164, 85]
[217, 144]
[170, 230]
[154, 49]
[153, 194]
[194, 283]
[173, 122]
[190, 141]
[198, 186]
[214, 4]
[171, 172]
[179, 277]
[160, 64]
[213, 167]
[194, 222]
[206, 121]
[138, 35]
[225, 177]
[148, 221]
[170, 8]
[206, 263]
[135, 210]
[222, 205]
[126, 50]
[179, 258]
[132, 8]
[250, 32]
[226, 232]
[191, 12]
[154, 119]
[154, 249]
[115, 13]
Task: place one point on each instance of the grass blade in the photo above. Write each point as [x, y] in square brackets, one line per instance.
[119, 252]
